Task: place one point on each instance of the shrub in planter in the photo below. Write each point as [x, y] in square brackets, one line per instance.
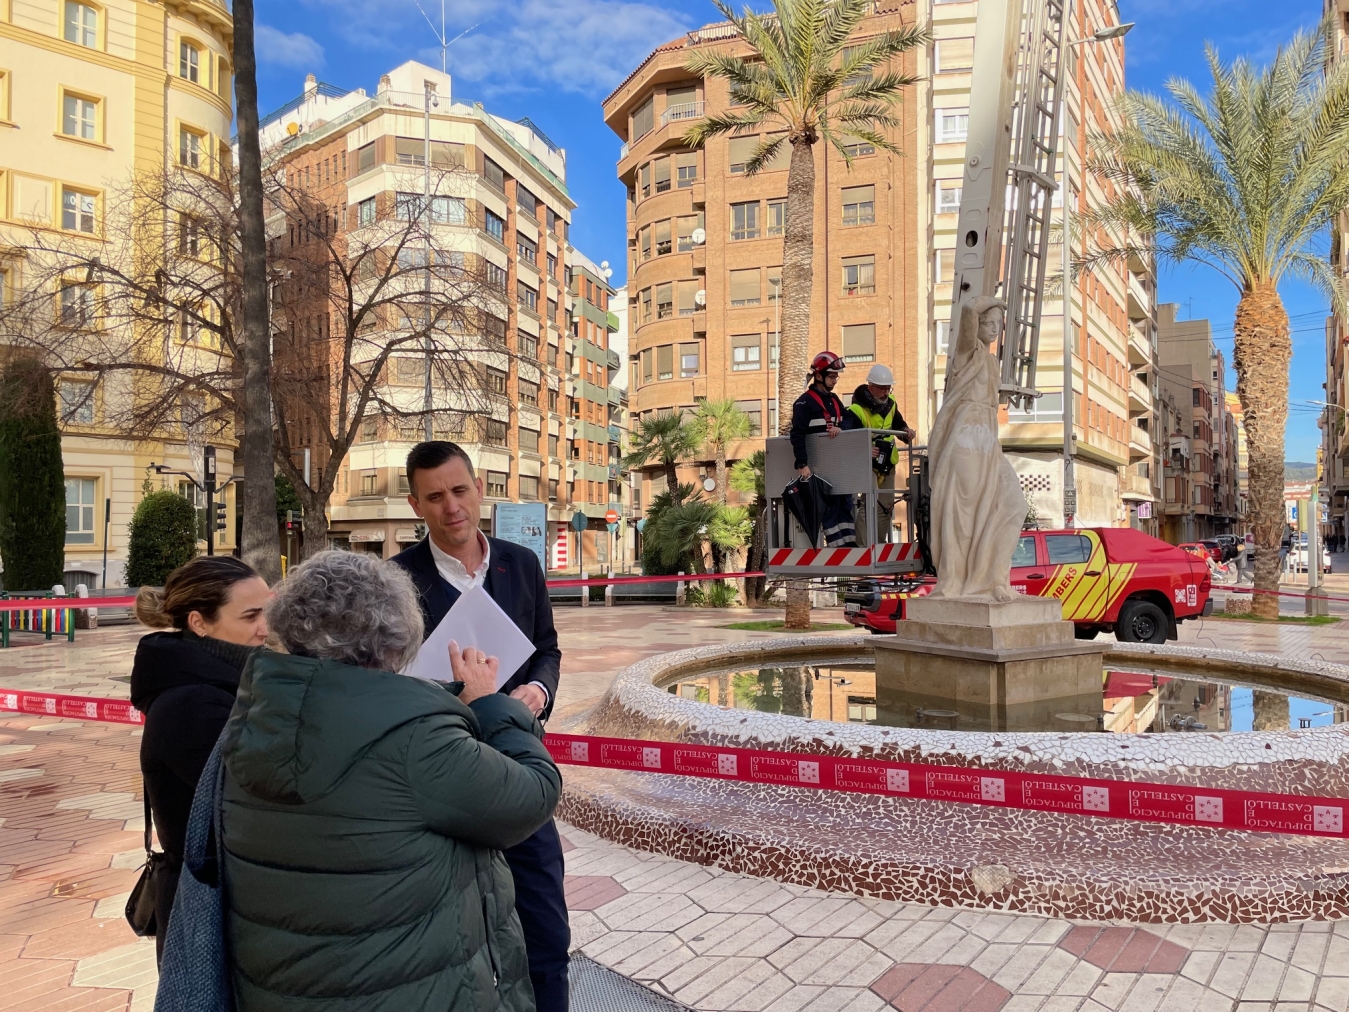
[163, 537]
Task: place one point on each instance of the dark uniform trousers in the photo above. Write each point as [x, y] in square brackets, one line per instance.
[541, 905]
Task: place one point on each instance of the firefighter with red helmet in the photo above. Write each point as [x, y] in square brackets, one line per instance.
[818, 409]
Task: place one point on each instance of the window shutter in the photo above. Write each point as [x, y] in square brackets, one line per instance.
[782, 159]
[858, 194]
[954, 54]
[665, 361]
[745, 287]
[686, 158]
[686, 291]
[742, 149]
[859, 342]
[680, 96]
[365, 158]
[663, 235]
[662, 171]
[643, 119]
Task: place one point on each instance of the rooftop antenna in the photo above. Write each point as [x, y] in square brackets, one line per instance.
[441, 37]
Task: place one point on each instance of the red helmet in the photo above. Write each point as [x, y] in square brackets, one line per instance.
[826, 361]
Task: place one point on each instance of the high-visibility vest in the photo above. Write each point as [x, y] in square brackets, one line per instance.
[872, 420]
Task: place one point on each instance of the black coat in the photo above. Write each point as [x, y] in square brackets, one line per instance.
[812, 413]
[515, 581]
[185, 686]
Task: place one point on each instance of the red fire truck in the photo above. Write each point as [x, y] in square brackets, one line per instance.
[1109, 579]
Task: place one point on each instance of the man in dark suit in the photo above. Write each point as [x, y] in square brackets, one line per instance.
[454, 557]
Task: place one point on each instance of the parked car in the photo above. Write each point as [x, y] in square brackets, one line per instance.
[1109, 579]
[1299, 557]
[1215, 549]
[1231, 546]
[1197, 549]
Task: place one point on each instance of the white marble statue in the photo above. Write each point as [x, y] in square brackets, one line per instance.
[977, 504]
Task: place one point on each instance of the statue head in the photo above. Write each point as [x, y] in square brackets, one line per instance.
[990, 312]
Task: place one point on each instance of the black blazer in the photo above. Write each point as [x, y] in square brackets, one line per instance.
[514, 581]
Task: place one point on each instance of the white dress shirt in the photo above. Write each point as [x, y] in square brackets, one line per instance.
[456, 574]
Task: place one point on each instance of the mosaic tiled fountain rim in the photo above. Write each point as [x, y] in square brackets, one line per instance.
[1306, 761]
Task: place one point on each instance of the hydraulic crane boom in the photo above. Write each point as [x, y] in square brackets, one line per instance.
[1010, 154]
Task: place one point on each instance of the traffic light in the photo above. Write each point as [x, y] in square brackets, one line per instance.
[220, 523]
[290, 520]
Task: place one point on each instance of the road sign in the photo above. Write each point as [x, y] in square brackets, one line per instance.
[611, 518]
[579, 521]
[1145, 511]
[612, 527]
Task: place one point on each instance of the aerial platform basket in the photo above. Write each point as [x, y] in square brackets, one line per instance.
[845, 462]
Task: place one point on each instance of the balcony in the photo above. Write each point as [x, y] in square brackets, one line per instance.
[1140, 397]
[1140, 347]
[1140, 298]
[682, 112]
[1135, 484]
[1179, 446]
[1140, 443]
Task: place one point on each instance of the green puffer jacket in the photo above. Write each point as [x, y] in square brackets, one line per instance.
[364, 817]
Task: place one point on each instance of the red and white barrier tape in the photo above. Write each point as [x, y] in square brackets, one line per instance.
[1117, 799]
[601, 581]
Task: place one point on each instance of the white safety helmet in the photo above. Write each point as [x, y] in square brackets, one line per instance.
[881, 376]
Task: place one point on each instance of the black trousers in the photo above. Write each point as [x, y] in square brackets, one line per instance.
[541, 905]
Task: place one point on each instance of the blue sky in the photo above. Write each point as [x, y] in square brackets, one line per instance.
[554, 62]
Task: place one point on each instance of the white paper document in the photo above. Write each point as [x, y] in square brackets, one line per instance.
[474, 621]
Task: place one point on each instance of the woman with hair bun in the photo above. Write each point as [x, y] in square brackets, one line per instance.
[184, 681]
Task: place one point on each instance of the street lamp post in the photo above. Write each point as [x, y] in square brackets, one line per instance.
[207, 485]
[1069, 446]
[832, 680]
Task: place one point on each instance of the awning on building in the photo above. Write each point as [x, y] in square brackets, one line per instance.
[356, 536]
[405, 534]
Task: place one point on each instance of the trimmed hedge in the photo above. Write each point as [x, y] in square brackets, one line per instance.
[163, 537]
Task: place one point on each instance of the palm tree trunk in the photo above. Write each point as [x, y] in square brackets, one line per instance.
[1262, 354]
[261, 546]
[672, 479]
[721, 473]
[798, 249]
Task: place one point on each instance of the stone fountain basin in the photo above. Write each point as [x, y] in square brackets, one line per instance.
[916, 850]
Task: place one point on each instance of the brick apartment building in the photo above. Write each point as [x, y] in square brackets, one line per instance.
[705, 248]
[499, 202]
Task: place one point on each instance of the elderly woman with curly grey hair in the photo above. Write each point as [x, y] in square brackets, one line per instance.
[365, 811]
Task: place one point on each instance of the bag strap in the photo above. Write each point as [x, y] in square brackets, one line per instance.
[145, 793]
[835, 416]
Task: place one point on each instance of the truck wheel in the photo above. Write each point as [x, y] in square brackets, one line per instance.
[1085, 632]
[1141, 622]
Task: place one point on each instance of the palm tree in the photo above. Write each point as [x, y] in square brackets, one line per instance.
[802, 77]
[662, 439]
[720, 423]
[680, 530]
[1244, 181]
[795, 80]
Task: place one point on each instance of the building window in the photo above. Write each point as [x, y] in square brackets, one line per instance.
[496, 480]
[527, 248]
[662, 167]
[189, 62]
[742, 150]
[684, 228]
[1046, 408]
[859, 342]
[754, 409]
[856, 147]
[493, 174]
[686, 298]
[80, 508]
[948, 197]
[365, 212]
[529, 439]
[944, 266]
[686, 169]
[745, 353]
[689, 360]
[859, 205]
[665, 362]
[79, 117]
[943, 332]
[189, 149]
[745, 220]
[496, 226]
[77, 305]
[369, 483]
[529, 345]
[953, 126]
[77, 402]
[81, 25]
[643, 119]
[777, 218]
[859, 275]
[662, 231]
[529, 394]
[744, 288]
[448, 210]
[644, 176]
[664, 301]
[78, 211]
[529, 486]
[496, 381]
[527, 297]
[954, 55]
[494, 432]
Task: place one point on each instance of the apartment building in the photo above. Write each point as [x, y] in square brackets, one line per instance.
[92, 95]
[1335, 431]
[550, 429]
[705, 247]
[1203, 468]
[1111, 352]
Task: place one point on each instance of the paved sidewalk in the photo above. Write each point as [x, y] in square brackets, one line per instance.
[715, 941]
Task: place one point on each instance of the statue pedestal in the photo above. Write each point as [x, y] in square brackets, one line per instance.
[974, 664]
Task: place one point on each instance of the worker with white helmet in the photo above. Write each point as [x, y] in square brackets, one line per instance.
[873, 408]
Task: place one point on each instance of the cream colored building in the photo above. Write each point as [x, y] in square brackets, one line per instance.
[1114, 330]
[90, 93]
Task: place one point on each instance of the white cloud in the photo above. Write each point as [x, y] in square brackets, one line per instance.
[277, 49]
